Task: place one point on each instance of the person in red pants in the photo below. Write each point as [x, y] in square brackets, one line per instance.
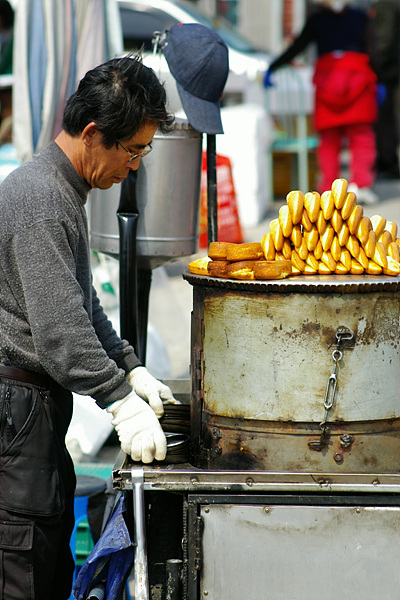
[345, 92]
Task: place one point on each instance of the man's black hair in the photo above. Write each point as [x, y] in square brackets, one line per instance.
[120, 96]
[6, 14]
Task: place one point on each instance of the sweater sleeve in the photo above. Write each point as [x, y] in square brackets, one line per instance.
[299, 45]
[118, 350]
[65, 342]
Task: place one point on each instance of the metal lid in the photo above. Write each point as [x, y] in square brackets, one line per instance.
[304, 284]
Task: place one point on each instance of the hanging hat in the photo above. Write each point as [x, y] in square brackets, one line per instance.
[198, 59]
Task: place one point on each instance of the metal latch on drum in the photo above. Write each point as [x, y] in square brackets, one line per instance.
[344, 339]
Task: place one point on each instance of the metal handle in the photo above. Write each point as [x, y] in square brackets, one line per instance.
[140, 564]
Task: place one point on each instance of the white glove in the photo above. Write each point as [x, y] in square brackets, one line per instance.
[138, 429]
[150, 389]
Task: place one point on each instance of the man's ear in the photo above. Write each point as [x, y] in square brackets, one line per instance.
[90, 134]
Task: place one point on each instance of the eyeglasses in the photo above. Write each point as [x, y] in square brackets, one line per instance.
[133, 157]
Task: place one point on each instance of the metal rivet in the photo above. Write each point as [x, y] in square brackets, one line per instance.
[249, 481]
[218, 450]
[266, 509]
[206, 510]
[358, 510]
[216, 433]
[205, 593]
[337, 457]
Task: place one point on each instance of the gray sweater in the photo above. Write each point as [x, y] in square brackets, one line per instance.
[51, 320]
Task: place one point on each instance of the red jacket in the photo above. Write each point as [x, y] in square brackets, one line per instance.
[345, 90]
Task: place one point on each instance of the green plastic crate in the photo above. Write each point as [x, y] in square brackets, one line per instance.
[84, 542]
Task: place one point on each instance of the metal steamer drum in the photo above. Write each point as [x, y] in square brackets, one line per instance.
[296, 375]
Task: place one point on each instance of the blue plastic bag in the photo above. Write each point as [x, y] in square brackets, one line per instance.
[111, 559]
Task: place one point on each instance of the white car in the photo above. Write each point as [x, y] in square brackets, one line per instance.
[141, 18]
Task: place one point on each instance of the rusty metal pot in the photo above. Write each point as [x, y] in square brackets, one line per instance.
[297, 375]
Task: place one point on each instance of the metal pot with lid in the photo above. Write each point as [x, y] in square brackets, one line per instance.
[296, 375]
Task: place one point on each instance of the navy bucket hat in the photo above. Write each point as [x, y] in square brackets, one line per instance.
[198, 60]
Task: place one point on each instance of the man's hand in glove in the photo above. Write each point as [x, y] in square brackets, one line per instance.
[150, 389]
[138, 429]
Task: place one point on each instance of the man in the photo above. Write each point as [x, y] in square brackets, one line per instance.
[54, 336]
[345, 107]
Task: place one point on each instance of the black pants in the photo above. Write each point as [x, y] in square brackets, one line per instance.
[387, 135]
[37, 484]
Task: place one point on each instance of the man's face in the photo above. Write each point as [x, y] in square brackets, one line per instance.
[104, 167]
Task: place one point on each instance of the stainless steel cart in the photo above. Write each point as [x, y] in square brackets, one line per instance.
[279, 536]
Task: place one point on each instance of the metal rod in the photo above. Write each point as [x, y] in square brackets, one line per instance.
[142, 590]
[144, 278]
[212, 204]
[174, 579]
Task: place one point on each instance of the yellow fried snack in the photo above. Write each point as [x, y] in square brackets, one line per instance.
[218, 268]
[353, 246]
[313, 234]
[305, 221]
[348, 205]
[392, 228]
[295, 202]
[363, 229]
[311, 238]
[321, 222]
[327, 237]
[312, 262]
[336, 220]
[312, 204]
[356, 268]
[393, 267]
[328, 260]
[267, 245]
[363, 258]
[343, 234]
[302, 250]
[385, 238]
[275, 269]
[245, 251]
[355, 217]
[217, 250]
[339, 192]
[287, 249]
[370, 244]
[378, 224]
[277, 234]
[296, 235]
[308, 270]
[199, 266]
[336, 248]
[380, 256]
[243, 269]
[323, 269]
[327, 204]
[345, 258]
[318, 250]
[285, 220]
[373, 268]
[393, 251]
[341, 269]
[297, 262]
